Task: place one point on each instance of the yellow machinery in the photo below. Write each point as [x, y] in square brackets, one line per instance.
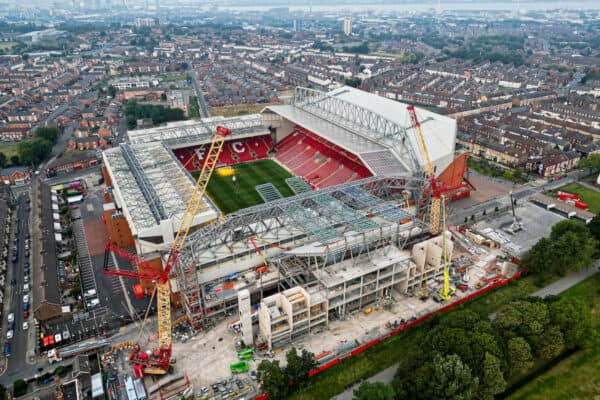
[159, 361]
[447, 292]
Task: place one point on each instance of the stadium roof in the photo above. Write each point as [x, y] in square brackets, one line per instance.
[152, 188]
[194, 132]
[375, 128]
[439, 130]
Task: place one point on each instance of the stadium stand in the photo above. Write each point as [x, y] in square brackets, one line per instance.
[235, 151]
[319, 161]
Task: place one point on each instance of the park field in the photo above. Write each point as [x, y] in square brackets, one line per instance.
[7, 45]
[230, 197]
[589, 196]
[9, 149]
[234, 111]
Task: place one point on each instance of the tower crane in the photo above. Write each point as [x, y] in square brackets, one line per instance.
[158, 362]
[436, 189]
[446, 291]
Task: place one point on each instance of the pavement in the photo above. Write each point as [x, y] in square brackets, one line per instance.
[567, 281]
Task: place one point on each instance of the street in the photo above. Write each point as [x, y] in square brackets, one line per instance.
[201, 101]
[16, 277]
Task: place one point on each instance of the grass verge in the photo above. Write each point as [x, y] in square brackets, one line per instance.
[229, 197]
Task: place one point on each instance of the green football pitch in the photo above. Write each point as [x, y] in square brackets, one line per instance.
[229, 197]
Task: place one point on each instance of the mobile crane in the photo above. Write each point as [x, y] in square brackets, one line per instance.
[159, 360]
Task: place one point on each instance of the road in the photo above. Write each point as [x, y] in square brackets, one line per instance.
[19, 343]
[201, 101]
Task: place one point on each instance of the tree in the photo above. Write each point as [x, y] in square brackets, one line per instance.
[298, 366]
[19, 387]
[273, 380]
[48, 133]
[590, 162]
[373, 391]
[594, 227]
[550, 344]
[3, 160]
[519, 355]
[15, 160]
[446, 377]
[112, 91]
[491, 381]
[574, 319]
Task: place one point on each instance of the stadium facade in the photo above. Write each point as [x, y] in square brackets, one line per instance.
[337, 245]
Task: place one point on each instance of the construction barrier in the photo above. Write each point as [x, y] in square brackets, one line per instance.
[406, 326]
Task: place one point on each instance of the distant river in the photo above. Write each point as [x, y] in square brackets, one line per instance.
[424, 6]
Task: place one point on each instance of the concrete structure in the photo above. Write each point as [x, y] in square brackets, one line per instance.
[245, 317]
[290, 314]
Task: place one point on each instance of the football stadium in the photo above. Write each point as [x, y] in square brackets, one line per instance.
[314, 205]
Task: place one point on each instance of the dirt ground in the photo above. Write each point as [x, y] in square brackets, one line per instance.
[487, 188]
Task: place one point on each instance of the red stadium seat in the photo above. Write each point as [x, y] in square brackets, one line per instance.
[235, 151]
[319, 161]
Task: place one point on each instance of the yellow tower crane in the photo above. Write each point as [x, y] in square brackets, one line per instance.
[447, 292]
[158, 362]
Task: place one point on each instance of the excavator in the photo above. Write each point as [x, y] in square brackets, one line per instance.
[157, 361]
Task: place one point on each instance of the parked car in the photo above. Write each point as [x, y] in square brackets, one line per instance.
[11, 317]
[6, 349]
[10, 334]
[25, 298]
[26, 314]
[25, 325]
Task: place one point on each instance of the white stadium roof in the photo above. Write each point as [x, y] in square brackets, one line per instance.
[439, 130]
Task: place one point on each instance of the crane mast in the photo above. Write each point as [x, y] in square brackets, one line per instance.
[434, 212]
[162, 287]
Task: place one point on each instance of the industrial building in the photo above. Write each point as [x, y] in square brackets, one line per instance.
[336, 246]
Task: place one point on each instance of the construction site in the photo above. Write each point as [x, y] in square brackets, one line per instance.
[359, 251]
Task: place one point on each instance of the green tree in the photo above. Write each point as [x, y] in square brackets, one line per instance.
[519, 355]
[3, 160]
[48, 133]
[491, 381]
[112, 91]
[446, 377]
[594, 227]
[574, 318]
[373, 391]
[273, 379]
[15, 160]
[19, 387]
[590, 162]
[298, 366]
[550, 344]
